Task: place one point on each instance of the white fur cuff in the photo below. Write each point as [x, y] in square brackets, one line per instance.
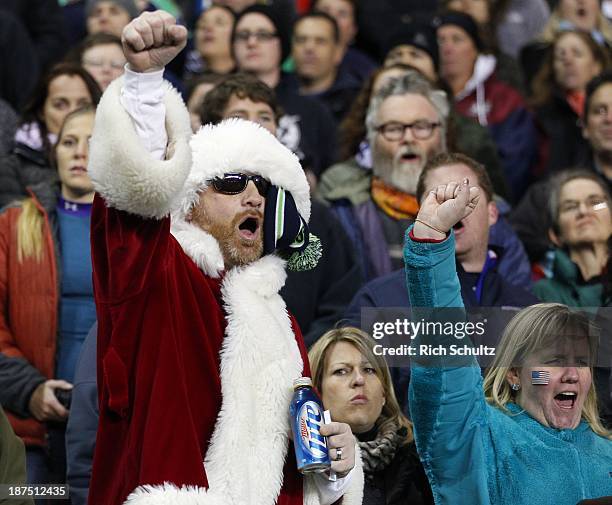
[169, 494]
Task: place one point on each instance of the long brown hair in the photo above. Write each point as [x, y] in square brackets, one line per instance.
[391, 414]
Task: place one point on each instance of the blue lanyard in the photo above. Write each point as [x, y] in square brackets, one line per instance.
[489, 264]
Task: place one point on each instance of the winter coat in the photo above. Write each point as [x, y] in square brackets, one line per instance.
[192, 361]
[347, 187]
[29, 295]
[475, 452]
[12, 459]
[567, 285]
[499, 107]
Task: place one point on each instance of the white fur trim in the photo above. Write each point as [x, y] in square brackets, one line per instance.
[236, 145]
[259, 360]
[122, 170]
[199, 245]
[169, 494]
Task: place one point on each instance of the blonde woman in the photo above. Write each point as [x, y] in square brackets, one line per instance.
[535, 438]
[46, 292]
[355, 385]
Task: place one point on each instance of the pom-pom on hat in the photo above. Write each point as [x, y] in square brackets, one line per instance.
[235, 145]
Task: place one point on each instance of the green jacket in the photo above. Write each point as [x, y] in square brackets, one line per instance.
[12, 460]
[566, 285]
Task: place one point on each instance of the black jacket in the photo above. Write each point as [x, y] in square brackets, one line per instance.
[18, 380]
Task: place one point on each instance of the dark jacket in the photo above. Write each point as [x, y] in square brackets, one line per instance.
[82, 422]
[318, 297]
[566, 147]
[18, 380]
[390, 291]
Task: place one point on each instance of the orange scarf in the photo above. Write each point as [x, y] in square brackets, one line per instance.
[393, 202]
[576, 99]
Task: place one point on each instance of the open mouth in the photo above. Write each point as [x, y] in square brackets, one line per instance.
[581, 12]
[249, 227]
[566, 400]
[410, 157]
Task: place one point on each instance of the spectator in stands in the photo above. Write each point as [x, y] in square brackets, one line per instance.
[102, 56]
[317, 297]
[213, 43]
[414, 44]
[581, 215]
[376, 206]
[262, 41]
[559, 93]
[533, 428]
[479, 94]
[585, 16]
[48, 304]
[355, 385]
[63, 89]
[109, 16]
[354, 61]
[317, 53]
[529, 221]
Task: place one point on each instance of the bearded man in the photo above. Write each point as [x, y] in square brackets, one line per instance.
[196, 351]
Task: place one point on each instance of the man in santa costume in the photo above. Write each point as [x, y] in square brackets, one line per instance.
[196, 351]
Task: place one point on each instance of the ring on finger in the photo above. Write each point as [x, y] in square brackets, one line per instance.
[338, 454]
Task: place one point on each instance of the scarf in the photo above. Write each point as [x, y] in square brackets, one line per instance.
[393, 202]
[378, 453]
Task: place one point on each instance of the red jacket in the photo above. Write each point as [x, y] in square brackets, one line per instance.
[29, 297]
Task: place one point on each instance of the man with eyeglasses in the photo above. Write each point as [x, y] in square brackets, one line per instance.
[406, 125]
[196, 350]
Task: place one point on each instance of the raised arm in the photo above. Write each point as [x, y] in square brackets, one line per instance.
[446, 403]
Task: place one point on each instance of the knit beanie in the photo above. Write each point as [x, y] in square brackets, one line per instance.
[128, 5]
[462, 20]
[419, 35]
[281, 26]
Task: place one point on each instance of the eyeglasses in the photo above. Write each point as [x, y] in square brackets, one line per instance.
[260, 36]
[233, 184]
[594, 203]
[116, 65]
[393, 131]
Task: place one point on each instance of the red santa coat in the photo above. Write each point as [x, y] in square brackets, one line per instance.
[195, 366]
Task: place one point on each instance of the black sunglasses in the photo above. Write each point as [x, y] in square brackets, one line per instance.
[233, 184]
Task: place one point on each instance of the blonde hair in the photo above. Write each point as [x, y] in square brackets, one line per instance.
[532, 329]
[29, 231]
[391, 413]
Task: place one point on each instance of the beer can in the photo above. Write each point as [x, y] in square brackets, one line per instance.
[306, 412]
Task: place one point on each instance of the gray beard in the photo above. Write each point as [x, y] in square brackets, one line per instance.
[392, 173]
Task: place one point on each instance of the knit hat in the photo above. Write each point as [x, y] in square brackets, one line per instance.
[281, 26]
[128, 5]
[420, 35]
[462, 20]
[236, 145]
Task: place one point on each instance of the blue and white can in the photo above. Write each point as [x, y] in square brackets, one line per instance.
[306, 412]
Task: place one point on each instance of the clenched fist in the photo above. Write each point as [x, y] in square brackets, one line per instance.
[152, 40]
[445, 206]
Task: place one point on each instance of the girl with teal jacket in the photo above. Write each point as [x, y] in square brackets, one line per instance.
[507, 441]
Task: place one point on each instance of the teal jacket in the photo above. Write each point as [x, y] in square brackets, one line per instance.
[566, 285]
[473, 452]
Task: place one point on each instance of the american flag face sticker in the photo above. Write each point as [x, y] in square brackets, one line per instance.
[540, 377]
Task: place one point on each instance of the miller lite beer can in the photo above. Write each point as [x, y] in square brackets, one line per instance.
[306, 419]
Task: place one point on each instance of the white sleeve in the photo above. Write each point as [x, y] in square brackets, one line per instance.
[142, 98]
[331, 491]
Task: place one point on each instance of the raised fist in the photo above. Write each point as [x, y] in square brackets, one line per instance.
[152, 40]
[444, 207]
